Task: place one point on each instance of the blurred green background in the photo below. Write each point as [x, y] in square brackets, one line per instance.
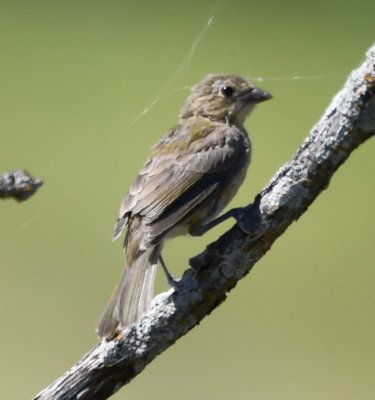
[76, 79]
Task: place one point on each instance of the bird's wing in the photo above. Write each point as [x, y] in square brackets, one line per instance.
[182, 172]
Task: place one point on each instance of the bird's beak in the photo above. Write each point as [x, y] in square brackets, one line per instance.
[255, 95]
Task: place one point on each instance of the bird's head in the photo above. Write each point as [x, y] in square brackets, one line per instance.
[223, 98]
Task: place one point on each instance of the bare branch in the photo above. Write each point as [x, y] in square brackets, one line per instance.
[18, 184]
[348, 122]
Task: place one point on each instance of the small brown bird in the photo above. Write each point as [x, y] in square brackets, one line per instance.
[191, 175]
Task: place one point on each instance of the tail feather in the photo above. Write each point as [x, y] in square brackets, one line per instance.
[133, 296]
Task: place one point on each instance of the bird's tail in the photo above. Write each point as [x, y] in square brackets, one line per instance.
[133, 296]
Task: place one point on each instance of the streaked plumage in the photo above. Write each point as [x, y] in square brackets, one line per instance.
[191, 175]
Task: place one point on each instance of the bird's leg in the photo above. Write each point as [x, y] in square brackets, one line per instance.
[201, 230]
[172, 281]
[247, 218]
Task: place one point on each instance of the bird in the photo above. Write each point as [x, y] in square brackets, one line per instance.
[190, 176]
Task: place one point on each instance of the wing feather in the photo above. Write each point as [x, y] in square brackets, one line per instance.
[177, 178]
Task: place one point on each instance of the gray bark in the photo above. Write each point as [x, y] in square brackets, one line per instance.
[18, 184]
[348, 122]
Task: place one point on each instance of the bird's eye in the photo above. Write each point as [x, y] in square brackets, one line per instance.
[227, 91]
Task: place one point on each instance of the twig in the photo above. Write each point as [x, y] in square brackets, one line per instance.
[348, 122]
[18, 184]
